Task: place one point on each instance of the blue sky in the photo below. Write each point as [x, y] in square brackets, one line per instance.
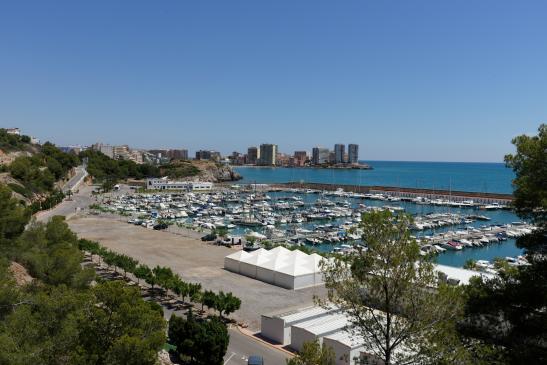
[407, 80]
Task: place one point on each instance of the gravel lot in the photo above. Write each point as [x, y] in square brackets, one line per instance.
[194, 261]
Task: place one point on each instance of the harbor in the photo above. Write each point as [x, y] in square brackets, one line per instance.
[325, 220]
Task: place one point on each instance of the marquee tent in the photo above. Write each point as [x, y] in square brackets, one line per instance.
[279, 266]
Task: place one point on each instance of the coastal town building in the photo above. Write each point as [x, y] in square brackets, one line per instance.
[300, 158]
[353, 153]
[268, 154]
[122, 152]
[282, 159]
[236, 158]
[253, 155]
[332, 157]
[14, 131]
[320, 155]
[165, 184]
[208, 155]
[178, 154]
[339, 152]
[105, 149]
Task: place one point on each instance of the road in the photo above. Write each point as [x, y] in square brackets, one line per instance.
[242, 346]
[76, 180]
[80, 200]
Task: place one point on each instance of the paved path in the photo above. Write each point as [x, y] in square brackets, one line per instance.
[78, 201]
[76, 180]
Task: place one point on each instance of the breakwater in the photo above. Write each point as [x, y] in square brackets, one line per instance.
[483, 198]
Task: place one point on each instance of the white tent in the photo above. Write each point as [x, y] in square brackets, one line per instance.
[249, 263]
[232, 262]
[279, 266]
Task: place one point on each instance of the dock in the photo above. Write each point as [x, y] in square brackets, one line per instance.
[452, 195]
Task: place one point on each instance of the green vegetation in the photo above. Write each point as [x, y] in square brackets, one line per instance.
[19, 189]
[506, 317]
[13, 142]
[179, 169]
[314, 354]
[470, 264]
[199, 342]
[39, 172]
[224, 303]
[50, 253]
[13, 216]
[109, 171]
[387, 292]
[59, 318]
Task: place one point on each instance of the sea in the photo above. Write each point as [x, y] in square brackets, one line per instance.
[457, 176]
[461, 176]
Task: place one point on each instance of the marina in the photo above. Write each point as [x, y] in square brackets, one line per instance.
[325, 220]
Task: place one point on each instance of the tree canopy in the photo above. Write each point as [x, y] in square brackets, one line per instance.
[508, 314]
[199, 342]
[386, 290]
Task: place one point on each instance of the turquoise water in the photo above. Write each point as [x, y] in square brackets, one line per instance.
[462, 176]
[481, 177]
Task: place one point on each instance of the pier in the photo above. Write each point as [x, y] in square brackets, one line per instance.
[455, 196]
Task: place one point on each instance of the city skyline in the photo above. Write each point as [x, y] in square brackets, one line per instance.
[418, 81]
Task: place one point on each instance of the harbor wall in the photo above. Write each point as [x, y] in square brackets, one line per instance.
[486, 198]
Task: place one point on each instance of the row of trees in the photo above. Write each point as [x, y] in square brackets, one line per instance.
[163, 277]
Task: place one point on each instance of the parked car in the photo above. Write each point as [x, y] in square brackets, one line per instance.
[209, 237]
[255, 360]
[160, 226]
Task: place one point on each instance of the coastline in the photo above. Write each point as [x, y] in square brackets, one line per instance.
[354, 167]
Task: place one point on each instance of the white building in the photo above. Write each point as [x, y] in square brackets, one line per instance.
[277, 327]
[165, 184]
[317, 329]
[459, 276]
[348, 349]
[279, 266]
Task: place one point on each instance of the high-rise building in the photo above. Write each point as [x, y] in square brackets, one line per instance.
[353, 153]
[207, 155]
[121, 152]
[268, 154]
[302, 155]
[300, 158]
[339, 151]
[181, 154]
[253, 155]
[320, 155]
[105, 149]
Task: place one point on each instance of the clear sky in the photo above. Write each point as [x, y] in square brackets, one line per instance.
[407, 80]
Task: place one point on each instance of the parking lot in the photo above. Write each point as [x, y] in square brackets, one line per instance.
[195, 261]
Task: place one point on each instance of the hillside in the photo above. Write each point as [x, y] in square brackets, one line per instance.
[108, 171]
[33, 172]
[199, 170]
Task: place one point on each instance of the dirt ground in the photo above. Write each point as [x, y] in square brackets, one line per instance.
[194, 261]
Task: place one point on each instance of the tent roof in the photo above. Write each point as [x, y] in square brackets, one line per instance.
[239, 255]
[282, 260]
